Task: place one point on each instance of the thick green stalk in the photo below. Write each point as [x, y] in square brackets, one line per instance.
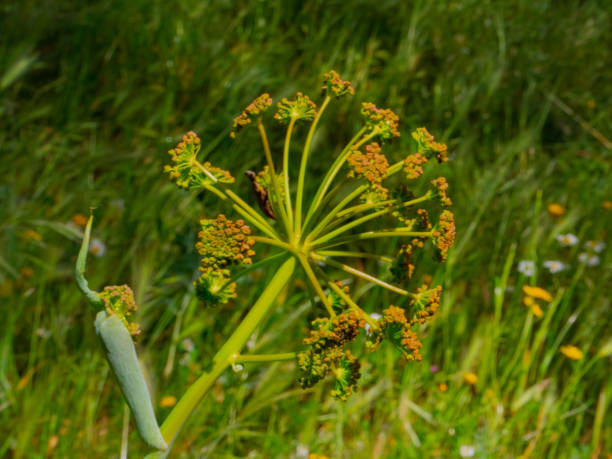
[264, 357]
[301, 178]
[230, 350]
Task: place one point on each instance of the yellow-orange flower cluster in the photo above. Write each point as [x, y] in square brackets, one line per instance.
[425, 304]
[444, 235]
[396, 328]
[224, 242]
[326, 353]
[371, 166]
[441, 187]
[428, 146]
[381, 120]
[187, 172]
[119, 301]
[334, 85]
[413, 165]
[255, 108]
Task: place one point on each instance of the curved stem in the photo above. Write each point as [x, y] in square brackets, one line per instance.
[92, 297]
[305, 153]
[349, 301]
[274, 242]
[361, 274]
[331, 173]
[366, 218]
[397, 232]
[190, 400]
[349, 254]
[286, 171]
[315, 283]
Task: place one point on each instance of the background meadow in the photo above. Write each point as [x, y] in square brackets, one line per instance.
[93, 94]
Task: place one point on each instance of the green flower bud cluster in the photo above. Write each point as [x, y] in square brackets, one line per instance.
[301, 108]
[119, 301]
[187, 172]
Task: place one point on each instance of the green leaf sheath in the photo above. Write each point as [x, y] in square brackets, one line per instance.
[92, 297]
[121, 355]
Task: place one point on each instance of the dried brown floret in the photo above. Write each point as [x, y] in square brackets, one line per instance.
[413, 165]
[335, 86]
[425, 304]
[224, 242]
[441, 187]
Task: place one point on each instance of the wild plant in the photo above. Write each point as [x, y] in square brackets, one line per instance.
[310, 236]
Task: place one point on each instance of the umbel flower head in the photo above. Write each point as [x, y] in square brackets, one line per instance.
[119, 301]
[352, 203]
[187, 172]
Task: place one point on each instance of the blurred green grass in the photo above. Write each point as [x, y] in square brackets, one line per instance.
[93, 94]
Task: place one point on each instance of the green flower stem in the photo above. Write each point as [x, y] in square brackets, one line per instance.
[332, 214]
[92, 297]
[305, 153]
[275, 186]
[364, 219]
[397, 232]
[190, 400]
[349, 254]
[286, 171]
[349, 301]
[335, 167]
[348, 226]
[315, 283]
[264, 357]
[361, 274]
[274, 242]
[243, 272]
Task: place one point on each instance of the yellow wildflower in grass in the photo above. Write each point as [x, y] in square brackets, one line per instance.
[537, 310]
[167, 401]
[470, 378]
[607, 205]
[528, 301]
[537, 292]
[572, 352]
[31, 234]
[555, 209]
[443, 387]
[79, 220]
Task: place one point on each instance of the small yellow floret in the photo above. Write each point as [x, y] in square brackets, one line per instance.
[167, 401]
[470, 378]
[537, 310]
[537, 292]
[572, 352]
[556, 209]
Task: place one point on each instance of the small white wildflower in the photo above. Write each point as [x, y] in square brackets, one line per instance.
[188, 344]
[526, 267]
[588, 259]
[500, 409]
[302, 451]
[497, 291]
[554, 266]
[375, 316]
[97, 247]
[237, 367]
[595, 246]
[43, 333]
[451, 432]
[567, 240]
[572, 319]
[466, 451]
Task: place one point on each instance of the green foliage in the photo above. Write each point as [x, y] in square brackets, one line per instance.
[518, 90]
